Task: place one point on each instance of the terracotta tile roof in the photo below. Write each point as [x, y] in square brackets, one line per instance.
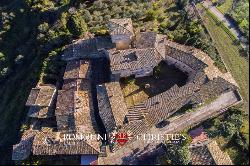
[196, 59]
[146, 40]
[74, 111]
[87, 48]
[105, 111]
[69, 84]
[149, 40]
[77, 69]
[40, 100]
[133, 59]
[32, 96]
[111, 100]
[40, 112]
[41, 96]
[65, 102]
[198, 135]
[65, 110]
[84, 112]
[51, 143]
[22, 150]
[161, 106]
[219, 157]
[201, 156]
[120, 26]
[117, 102]
[186, 56]
[80, 49]
[214, 88]
[165, 104]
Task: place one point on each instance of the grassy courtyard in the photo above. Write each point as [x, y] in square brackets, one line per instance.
[134, 88]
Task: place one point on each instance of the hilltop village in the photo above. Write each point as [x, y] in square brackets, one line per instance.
[91, 98]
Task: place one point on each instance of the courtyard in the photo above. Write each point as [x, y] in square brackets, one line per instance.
[137, 90]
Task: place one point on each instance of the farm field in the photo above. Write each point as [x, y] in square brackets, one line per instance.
[230, 52]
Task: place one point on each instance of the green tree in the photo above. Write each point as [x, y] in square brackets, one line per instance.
[233, 124]
[87, 16]
[229, 129]
[151, 15]
[2, 57]
[77, 25]
[177, 154]
[42, 28]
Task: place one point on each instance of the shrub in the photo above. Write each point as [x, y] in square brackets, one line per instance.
[76, 25]
[151, 15]
[177, 154]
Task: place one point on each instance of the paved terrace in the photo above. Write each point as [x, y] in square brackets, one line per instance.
[176, 125]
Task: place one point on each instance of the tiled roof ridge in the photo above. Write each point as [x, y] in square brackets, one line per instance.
[220, 157]
[117, 119]
[205, 58]
[113, 21]
[130, 49]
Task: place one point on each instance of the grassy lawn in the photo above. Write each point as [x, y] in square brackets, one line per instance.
[226, 6]
[230, 52]
[133, 93]
[134, 89]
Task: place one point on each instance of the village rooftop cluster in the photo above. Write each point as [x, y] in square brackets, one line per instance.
[56, 110]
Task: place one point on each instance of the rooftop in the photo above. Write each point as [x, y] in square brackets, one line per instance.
[220, 158]
[111, 100]
[52, 143]
[133, 59]
[117, 102]
[41, 96]
[149, 40]
[40, 101]
[120, 26]
[40, 112]
[198, 135]
[209, 154]
[77, 69]
[74, 110]
[197, 60]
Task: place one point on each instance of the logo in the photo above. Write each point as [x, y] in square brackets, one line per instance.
[121, 138]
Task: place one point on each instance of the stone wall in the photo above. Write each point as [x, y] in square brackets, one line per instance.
[181, 66]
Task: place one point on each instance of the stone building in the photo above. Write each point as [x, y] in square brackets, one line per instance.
[129, 55]
[121, 32]
[112, 104]
[138, 62]
[74, 115]
[209, 154]
[74, 100]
